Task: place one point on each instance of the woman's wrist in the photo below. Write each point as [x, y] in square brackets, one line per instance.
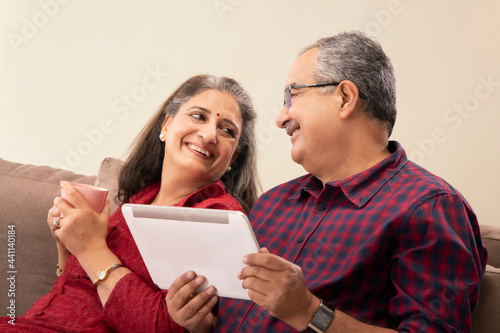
[97, 260]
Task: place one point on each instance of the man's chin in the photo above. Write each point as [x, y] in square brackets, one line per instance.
[297, 156]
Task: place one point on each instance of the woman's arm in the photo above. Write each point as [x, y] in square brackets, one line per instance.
[83, 233]
[129, 303]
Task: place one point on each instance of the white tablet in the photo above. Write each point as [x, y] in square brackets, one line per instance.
[210, 242]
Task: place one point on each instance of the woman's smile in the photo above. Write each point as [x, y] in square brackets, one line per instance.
[200, 150]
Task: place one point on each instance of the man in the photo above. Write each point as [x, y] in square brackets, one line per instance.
[367, 241]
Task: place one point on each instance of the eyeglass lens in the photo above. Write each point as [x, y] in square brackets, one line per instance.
[288, 98]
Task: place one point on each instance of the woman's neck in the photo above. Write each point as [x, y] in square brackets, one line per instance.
[175, 189]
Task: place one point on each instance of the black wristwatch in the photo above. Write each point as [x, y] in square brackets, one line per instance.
[321, 318]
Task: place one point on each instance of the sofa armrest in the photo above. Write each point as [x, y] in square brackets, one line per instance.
[485, 318]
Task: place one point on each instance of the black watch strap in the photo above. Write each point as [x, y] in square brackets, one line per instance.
[321, 319]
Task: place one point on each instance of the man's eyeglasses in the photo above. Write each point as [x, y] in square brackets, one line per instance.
[288, 90]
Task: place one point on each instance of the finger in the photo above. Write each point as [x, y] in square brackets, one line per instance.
[107, 209]
[51, 216]
[200, 305]
[63, 206]
[56, 223]
[264, 250]
[57, 234]
[259, 298]
[75, 197]
[267, 260]
[180, 282]
[258, 272]
[189, 308]
[257, 284]
[53, 212]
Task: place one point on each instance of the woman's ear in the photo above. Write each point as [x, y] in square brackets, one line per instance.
[166, 122]
[235, 155]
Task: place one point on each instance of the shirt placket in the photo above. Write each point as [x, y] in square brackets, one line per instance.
[319, 207]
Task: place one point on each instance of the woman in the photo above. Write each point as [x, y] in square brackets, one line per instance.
[200, 143]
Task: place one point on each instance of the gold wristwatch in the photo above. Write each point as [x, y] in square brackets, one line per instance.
[103, 275]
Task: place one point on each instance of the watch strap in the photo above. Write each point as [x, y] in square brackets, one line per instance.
[321, 318]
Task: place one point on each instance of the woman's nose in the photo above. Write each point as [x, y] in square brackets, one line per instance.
[209, 133]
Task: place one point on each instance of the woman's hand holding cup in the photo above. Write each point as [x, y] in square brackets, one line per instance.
[82, 224]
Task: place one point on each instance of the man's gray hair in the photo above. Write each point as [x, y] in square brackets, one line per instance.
[355, 57]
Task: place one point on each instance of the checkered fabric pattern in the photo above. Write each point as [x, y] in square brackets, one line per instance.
[394, 245]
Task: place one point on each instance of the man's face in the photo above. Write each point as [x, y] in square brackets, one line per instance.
[311, 120]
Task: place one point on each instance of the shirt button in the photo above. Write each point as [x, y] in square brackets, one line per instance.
[300, 239]
[321, 206]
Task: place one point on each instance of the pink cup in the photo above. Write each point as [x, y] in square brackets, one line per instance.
[93, 195]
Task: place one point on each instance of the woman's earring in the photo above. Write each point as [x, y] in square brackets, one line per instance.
[228, 169]
[162, 137]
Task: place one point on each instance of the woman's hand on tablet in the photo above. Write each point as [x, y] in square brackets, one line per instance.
[188, 309]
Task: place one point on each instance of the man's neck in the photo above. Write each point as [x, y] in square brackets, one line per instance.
[354, 163]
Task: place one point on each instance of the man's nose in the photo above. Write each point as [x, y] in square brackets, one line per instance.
[282, 118]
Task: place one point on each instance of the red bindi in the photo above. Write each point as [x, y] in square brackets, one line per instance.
[217, 114]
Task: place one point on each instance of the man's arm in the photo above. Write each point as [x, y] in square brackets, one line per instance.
[277, 285]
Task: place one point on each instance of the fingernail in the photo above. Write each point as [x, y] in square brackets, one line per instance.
[245, 259]
[190, 275]
[210, 290]
[199, 280]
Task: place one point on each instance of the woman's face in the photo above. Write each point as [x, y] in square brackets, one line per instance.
[201, 139]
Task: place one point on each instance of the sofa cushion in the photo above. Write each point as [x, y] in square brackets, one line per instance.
[27, 193]
[485, 318]
[107, 177]
[491, 239]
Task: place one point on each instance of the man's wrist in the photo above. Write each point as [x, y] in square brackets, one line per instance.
[304, 316]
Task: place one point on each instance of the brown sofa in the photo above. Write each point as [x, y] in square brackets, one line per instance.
[27, 192]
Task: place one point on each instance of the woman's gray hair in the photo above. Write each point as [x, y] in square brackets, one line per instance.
[355, 57]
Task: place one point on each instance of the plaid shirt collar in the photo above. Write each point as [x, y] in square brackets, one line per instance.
[361, 187]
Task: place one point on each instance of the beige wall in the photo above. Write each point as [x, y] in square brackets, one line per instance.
[80, 78]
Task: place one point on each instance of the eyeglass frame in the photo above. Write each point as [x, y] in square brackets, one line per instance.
[288, 93]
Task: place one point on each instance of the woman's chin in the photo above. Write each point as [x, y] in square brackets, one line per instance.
[202, 174]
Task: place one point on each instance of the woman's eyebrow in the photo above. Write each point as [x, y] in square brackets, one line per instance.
[201, 108]
[210, 112]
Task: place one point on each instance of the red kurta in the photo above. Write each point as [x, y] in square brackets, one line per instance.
[136, 304]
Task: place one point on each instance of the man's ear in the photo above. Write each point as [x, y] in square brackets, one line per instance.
[350, 96]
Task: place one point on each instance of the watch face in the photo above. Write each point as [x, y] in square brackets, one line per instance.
[101, 275]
